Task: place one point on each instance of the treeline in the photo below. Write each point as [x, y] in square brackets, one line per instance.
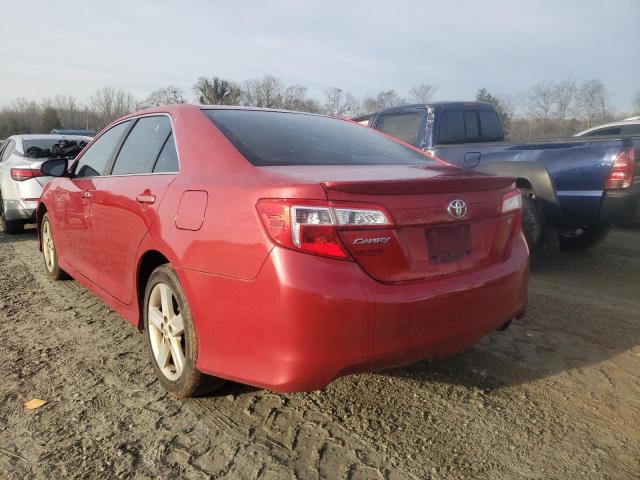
[546, 110]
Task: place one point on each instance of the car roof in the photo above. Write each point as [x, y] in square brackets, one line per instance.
[629, 121]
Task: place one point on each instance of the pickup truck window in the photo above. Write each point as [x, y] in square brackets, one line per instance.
[282, 138]
[404, 126]
[452, 128]
[491, 126]
[472, 126]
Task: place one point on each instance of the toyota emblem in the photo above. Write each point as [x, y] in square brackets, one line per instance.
[457, 208]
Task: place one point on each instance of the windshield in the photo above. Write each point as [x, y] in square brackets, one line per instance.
[282, 138]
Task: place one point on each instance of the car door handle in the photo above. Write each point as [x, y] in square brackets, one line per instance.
[146, 198]
[86, 194]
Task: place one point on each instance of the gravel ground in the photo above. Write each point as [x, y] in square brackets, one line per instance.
[555, 396]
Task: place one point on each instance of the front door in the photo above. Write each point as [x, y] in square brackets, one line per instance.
[74, 197]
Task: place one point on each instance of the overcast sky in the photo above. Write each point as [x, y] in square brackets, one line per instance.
[54, 47]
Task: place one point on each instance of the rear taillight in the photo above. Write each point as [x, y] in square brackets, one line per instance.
[512, 204]
[511, 201]
[621, 175]
[312, 226]
[22, 174]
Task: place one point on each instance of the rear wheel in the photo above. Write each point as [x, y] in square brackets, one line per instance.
[584, 237]
[171, 336]
[9, 226]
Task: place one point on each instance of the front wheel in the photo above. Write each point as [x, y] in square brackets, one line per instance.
[582, 238]
[49, 252]
[171, 336]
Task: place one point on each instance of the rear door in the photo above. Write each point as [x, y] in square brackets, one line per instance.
[73, 199]
[126, 202]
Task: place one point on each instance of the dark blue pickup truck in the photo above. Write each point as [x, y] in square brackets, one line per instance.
[573, 189]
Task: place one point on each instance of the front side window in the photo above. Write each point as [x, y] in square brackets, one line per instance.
[281, 138]
[142, 146]
[95, 159]
[404, 126]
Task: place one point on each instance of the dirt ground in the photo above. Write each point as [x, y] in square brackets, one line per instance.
[555, 396]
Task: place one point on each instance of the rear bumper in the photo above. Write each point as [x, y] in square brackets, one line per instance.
[307, 320]
[620, 206]
[20, 210]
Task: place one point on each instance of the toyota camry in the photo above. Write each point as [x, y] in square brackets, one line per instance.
[282, 249]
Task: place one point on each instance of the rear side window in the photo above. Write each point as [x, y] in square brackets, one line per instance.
[404, 126]
[605, 131]
[142, 146]
[94, 160]
[490, 126]
[282, 138]
[168, 159]
[451, 128]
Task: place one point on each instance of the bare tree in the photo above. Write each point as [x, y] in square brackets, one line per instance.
[339, 103]
[109, 104]
[266, 92]
[295, 97]
[384, 99]
[70, 113]
[168, 95]
[591, 102]
[422, 93]
[538, 104]
[563, 97]
[217, 91]
[29, 113]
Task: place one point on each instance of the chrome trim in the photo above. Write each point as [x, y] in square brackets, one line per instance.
[580, 193]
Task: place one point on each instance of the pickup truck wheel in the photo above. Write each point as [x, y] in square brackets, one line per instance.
[531, 222]
[9, 226]
[582, 238]
[171, 336]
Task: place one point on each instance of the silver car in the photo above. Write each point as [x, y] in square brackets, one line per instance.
[21, 181]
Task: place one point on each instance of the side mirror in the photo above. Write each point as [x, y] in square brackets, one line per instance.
[56, 167]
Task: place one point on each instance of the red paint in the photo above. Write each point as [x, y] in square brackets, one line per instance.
[284, 317]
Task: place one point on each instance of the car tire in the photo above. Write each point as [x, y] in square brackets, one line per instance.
[49, 252]
[532, 222]
[171, 337]
[583, 238]
[9, 226]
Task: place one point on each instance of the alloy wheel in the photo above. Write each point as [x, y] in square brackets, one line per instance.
[48, 248]
[166, 331]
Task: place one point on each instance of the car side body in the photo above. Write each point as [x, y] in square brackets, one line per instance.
[273, 316]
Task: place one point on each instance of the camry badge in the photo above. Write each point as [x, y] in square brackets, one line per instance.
[457, 208]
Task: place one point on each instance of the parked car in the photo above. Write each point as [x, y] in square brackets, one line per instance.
[573, 189]
[628, 127]
[282, 249]
[67, 131]
[21, 180]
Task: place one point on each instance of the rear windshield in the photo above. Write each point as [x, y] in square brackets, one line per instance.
[280, 138]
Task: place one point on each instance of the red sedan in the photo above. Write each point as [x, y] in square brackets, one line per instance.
[282, 249]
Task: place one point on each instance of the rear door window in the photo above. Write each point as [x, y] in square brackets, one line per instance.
[142, 146]
[404, 126]
[168, 159]
[605, 131]
[7, 151]
[95, 159]
[451, 128]
[631, 129]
